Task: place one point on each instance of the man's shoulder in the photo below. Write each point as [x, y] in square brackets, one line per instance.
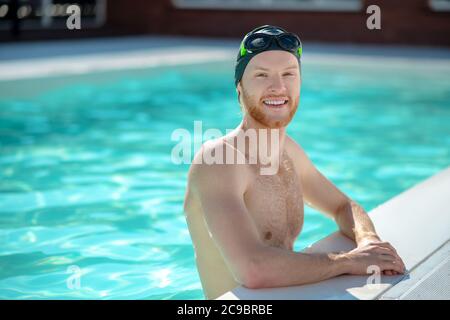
[301, 160]
[209, 165]
[294, 148]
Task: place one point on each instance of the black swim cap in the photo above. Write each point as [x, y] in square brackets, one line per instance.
[244, 56]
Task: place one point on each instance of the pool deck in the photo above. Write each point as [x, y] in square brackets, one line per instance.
[417, 223]
[71, 57]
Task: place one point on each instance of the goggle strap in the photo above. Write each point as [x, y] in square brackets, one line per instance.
[242, 49]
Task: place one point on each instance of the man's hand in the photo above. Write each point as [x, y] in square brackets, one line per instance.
[372, 251]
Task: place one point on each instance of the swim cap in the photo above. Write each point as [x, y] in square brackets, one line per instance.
[270, 40]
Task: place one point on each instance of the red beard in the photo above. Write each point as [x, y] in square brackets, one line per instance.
[257, 110]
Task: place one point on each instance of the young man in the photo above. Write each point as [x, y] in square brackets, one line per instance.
[243, 223]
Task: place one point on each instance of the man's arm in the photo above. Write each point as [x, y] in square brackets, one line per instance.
[355, 223]
[323, 195]
[254, 264]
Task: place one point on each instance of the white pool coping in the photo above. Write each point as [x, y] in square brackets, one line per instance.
[429, 280]
[46, 59]
[76, 65]
[416, 222]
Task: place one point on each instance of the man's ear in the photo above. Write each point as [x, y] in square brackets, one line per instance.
[238, 91]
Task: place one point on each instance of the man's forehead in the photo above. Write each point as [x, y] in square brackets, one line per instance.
[273, 60]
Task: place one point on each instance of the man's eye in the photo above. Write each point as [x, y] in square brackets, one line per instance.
[288, 74]
[262, 75]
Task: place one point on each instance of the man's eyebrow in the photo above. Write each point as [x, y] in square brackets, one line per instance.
[265, 69]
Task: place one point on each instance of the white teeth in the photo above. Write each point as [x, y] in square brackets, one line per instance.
[274, 102]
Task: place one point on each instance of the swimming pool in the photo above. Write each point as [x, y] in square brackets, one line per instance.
[87, 182]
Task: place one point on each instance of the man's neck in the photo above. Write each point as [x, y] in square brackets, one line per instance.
[274, 148]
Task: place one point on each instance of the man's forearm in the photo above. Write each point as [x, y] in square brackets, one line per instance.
[355, 223]
[276, 267]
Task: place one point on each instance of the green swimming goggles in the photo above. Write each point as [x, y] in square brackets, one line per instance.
[257, 42]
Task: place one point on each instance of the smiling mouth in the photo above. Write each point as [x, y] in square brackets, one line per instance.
[275, 103]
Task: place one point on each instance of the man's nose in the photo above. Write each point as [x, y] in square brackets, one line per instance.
[277, 84]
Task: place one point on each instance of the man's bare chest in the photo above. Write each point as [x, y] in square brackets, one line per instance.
[275, 203]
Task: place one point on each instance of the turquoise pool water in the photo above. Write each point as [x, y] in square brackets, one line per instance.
[87, 182]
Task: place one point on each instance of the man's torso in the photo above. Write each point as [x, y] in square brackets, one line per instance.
[275, 203]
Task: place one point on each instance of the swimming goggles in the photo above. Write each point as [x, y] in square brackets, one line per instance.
[257, 42]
